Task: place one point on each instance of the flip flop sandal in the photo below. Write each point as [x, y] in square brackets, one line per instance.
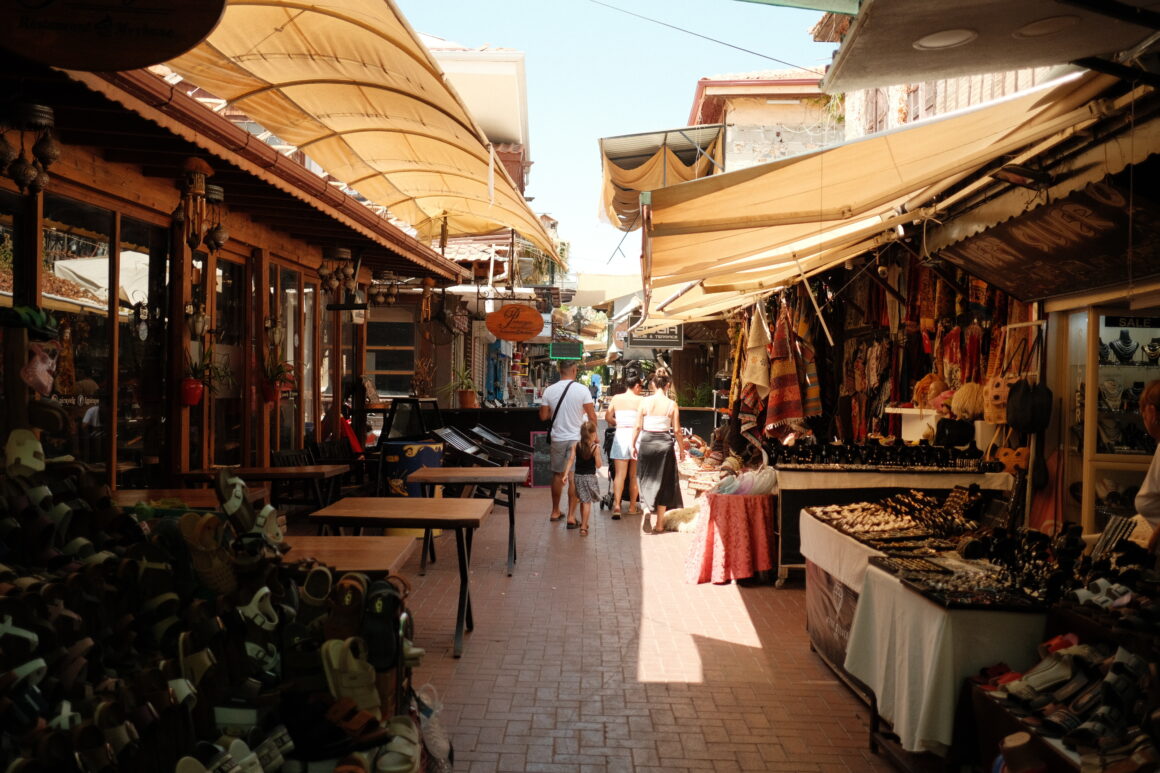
[260, 610]
[346, 607]
[269, 757]
[193, 665]
[266, 522]
[245, 757]
[210, 560]
[399, 756]
[24, 454]
[349, 675]
[16, 641]
[94, 753]
[573, 525]
[353, 763]
[118, 731]
[207, 758]
[313, 595]
[231, 494]
[29, 673]
[381, 624]
[358, 723]
[65, 718]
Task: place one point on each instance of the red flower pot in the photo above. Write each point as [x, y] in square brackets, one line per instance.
[191, 391]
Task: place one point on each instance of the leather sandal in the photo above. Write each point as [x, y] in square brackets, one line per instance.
[211, 562]
[359, 724]
[260, 610]
[347, 600]
[349, 675]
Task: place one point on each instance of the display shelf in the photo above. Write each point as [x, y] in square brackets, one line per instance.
[1107, 434]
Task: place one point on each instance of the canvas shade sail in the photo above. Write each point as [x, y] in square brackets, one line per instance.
[625, 177]
[749, 229]
[349, 83]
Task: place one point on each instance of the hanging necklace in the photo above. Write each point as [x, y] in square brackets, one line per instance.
[1112, 391]
[1105, 352]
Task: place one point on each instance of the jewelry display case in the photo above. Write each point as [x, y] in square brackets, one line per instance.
[1112, 355]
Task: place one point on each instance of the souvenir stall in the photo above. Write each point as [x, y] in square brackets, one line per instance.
[900, 432]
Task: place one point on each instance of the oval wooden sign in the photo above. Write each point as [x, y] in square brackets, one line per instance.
[98, 35]
[515, 323]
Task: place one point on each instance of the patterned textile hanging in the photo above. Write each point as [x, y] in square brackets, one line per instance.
[785, 400]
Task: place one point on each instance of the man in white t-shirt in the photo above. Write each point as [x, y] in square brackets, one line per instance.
[575, 404]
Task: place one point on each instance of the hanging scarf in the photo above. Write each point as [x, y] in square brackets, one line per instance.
[756, 369]
[785, 398]
[927, 310]
[952, 357]
[811, 389]
[972, 354]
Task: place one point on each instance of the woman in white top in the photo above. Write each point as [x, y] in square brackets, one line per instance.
[621, 414]
[657, 427]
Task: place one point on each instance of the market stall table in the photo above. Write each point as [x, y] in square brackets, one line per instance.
[463, 516]
[799, 488]
[914, 655]
[193, 497]
[509, 477]
[317, 474]
[732, 539]
[370, 555]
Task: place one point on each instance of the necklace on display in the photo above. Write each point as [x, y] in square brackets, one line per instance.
[1112, 392]
[1152, 351]
[1124, 348]
[1105, 352]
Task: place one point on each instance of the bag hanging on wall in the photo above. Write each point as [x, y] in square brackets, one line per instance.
[1028, 403]
[997, 388]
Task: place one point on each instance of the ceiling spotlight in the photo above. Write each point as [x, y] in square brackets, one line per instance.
[939, 41]
[1044, 27]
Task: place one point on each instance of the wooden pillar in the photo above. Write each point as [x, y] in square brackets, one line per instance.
[27, 266]
[177, 432]
[113, 382]
[267, 415]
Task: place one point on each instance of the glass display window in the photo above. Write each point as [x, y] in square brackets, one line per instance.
[228, 334]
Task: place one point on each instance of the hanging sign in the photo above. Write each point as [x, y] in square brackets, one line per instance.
[671, 337]
[515, 323]
[97, 35]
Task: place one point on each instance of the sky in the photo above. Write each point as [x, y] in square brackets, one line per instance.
[594, 72]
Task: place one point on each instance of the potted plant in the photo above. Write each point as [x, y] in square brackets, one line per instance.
[277, 375]
[201, 373]
[464, 386]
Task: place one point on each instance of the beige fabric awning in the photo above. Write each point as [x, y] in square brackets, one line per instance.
[759, 227]
[349, 83]
[643, 162]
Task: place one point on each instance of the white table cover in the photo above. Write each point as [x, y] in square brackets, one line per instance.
[836, 554]
[914, 655]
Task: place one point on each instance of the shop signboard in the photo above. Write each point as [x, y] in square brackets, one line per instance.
[1077, 242]
[100, 35]
[566, 350]
[515, 322]
[671, 337]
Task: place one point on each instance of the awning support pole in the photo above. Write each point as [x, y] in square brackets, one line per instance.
[701, 152]
[814, 301]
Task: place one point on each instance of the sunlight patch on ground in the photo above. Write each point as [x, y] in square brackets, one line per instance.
[672, 609]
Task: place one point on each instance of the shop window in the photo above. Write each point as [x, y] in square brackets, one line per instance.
[288, 311]
[228, 334]
[390, 351]
[142, 301]
[74, 286]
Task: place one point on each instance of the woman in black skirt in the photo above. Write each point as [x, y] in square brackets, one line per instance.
[655, 446]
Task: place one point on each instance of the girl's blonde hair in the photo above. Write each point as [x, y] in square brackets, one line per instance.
[587, 438]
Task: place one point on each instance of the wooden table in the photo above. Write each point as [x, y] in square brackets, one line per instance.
[484, 476]
[370, 555]
[463, 516]
[315, 473]
[194, 497]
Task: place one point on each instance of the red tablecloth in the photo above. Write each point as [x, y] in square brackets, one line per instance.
[732, 538]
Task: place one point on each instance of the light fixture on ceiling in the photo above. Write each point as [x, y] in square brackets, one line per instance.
[944, 39]
[1041, 28]
[1024, 176]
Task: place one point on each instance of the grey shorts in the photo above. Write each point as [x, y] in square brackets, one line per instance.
[560, 450]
